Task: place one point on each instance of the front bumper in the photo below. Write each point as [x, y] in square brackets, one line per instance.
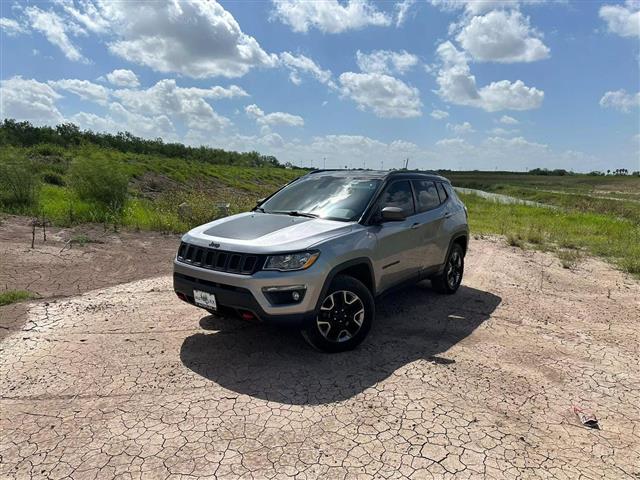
[244, 293]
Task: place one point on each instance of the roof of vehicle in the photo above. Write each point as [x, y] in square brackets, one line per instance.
[382, 174]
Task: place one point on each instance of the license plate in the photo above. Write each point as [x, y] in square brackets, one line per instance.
[205, 299]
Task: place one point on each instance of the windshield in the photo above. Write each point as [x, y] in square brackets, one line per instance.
[332, 197]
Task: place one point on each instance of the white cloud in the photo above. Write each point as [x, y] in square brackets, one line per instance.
[55, 28]
[119, 119]
[298, 64]
[84, 89]
[458, 86]
[90, 17]
[123, 78]
[620, 100]
[501, 36]
[194, 38]
[185, 104]
[386, 96]
[507, 120]
[29, 100]
[503, 132]
[478, 7]
[11, 27]
[439, 114]
[386, 61]
[328, 16]
[460, 128]
[622, 20]
[273, 119]
[402, 11]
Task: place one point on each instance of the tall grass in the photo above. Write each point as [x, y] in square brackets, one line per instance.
[615, 239]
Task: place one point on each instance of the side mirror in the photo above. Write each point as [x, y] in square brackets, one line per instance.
[392, 214]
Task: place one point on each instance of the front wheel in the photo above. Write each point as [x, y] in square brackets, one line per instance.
[450, 279]
[344, 318]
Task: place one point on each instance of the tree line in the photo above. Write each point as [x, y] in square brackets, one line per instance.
[24, 134]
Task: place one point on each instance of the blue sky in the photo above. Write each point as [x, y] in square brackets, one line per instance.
[512, 84]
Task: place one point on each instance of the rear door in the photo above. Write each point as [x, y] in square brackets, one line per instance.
[431, 210]
[397, 257]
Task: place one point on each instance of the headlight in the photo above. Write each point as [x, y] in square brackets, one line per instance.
[291, 261]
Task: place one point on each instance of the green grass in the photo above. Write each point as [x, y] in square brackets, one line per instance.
[13, 296]
[614, 239]
[173, 181]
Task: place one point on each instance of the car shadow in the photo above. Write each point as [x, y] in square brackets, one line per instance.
[277, 365]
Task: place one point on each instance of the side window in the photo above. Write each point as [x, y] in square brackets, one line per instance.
[426, 195]
[442, 192]
[398, 194]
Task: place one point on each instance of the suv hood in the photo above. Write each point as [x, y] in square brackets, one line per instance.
[256, 232]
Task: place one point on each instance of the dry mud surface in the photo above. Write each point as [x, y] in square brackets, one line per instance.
[128, 382]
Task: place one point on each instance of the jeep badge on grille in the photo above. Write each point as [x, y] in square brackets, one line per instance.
[214, 245]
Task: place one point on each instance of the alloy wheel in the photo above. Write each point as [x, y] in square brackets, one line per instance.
[341, 316]
[454, 269]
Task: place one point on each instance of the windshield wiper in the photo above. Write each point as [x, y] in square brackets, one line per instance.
[258, 209]
[295, 213]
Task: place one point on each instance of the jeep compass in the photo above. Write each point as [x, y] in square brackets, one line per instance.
[315, 254]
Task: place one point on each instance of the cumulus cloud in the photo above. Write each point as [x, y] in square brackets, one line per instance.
[30, 100]
[384, 95]
[11, 27]
[439, 114]
[458, 86]
[299, 64]
[507, 120]
[623, 20]
[123, 78]
[273, 119]
[194, 38]
[460, 128]
[329, 16]
[56, 30]
[186, 104]
[386, 61]
[620, 100]
[501, 36]
[84, 89]
[120, 119]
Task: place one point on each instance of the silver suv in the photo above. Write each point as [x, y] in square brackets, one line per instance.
[316, 253]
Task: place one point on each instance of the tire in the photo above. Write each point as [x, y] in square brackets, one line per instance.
[450, 279]
[344, 317]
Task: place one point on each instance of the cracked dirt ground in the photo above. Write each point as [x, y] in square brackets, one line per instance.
[128, 382]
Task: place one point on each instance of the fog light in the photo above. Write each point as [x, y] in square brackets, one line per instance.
[285, 295]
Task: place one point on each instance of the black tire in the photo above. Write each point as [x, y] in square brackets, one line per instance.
[449, 281]
[345, 316]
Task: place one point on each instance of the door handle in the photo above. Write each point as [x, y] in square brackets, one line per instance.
[448, 215]
[415, 225]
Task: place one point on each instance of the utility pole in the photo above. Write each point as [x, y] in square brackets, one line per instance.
[324, 163]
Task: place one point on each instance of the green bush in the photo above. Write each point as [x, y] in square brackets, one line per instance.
[53, 178]
[101, 181]
[19, 183]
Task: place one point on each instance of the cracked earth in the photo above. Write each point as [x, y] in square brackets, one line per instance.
[125, 381]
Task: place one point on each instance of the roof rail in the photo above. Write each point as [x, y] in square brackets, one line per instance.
[426, 172]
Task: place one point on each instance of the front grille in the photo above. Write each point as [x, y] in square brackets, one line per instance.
[219, 260]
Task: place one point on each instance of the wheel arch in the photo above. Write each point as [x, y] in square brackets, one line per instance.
[359, 268]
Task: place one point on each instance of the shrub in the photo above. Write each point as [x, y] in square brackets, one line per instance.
[19, 183]
[53, 178]
[101, 181]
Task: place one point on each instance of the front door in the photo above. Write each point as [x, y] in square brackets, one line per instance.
[397, 256]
